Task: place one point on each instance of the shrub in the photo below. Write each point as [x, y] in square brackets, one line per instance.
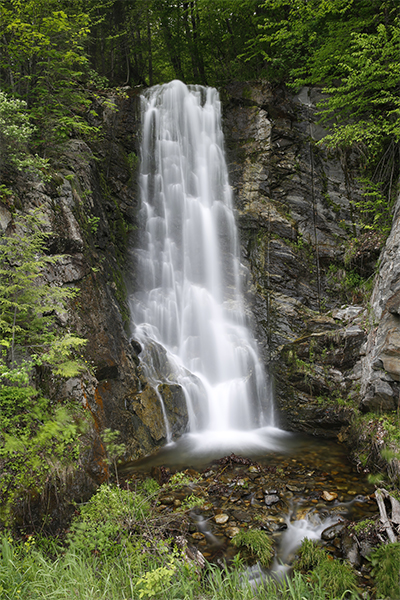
[309, 556]
[334, 576]
[386, 569]
[256, 543]
[104, 522]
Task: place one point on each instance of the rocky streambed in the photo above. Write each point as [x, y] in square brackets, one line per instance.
[314, 492]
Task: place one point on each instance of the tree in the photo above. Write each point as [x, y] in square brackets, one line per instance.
[43, 62]
[15, 134]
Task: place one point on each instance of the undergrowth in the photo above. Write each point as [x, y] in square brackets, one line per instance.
[29, 574]
[333, 575]
[385, 561]
[257, 544]
[117, 548]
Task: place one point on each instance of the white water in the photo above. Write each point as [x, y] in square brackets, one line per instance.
[189, 271]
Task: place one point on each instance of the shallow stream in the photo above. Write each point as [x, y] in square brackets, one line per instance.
[292, 494]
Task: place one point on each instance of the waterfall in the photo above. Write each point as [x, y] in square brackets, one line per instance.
[190, 302]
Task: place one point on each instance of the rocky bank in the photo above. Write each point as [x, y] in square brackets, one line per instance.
[332, 351]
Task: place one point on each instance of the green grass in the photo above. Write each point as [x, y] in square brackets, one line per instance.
[386, 568]
[335, 576]
[117, 549]
[257, 544]
[26, 573]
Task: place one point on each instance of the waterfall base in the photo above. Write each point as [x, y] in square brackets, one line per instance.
[201, 448]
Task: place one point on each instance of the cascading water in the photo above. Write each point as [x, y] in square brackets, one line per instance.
[190, 301]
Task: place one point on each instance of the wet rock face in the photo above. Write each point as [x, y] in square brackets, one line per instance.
[293, 201]
[294, 213]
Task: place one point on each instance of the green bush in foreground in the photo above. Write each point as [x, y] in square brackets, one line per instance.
[386, 570]
[104, 522]
[27, 573]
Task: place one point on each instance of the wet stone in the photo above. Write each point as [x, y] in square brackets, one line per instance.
[365, 549]
[232, 531]
[235, 498]
[329, 496]
[221, 519]
[350, 550]
[167, 500]
[198, 536]
[330, 533]
[253, 469]
[241, 516]
[271, 499]
[276, 526]
[295, 488]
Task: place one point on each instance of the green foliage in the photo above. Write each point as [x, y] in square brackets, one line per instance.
[363, 526]
[385, 570]
[28, 305]
[35, 434]
[367, 97]
[113, 449]
[43, 62]
[93, 223]
[191, 502]
[257, 543]
[102, 524]
[336, 576]
[374, 208]
[351, 286]
[26, 572]
[181, 478]
[15, 135]
[149, 487]
[309, 556]
[155, 583]
[332, 575]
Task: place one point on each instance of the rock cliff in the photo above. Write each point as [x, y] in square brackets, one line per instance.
[308, 290]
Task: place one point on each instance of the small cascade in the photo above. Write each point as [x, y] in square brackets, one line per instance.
[189, 302]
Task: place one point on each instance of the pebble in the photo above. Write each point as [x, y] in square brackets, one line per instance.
[270, 499]
[198, 535]
[329, 496]
[234, 498]
[221, 519]
[241, 482]
[232, 531]
[295, 488]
